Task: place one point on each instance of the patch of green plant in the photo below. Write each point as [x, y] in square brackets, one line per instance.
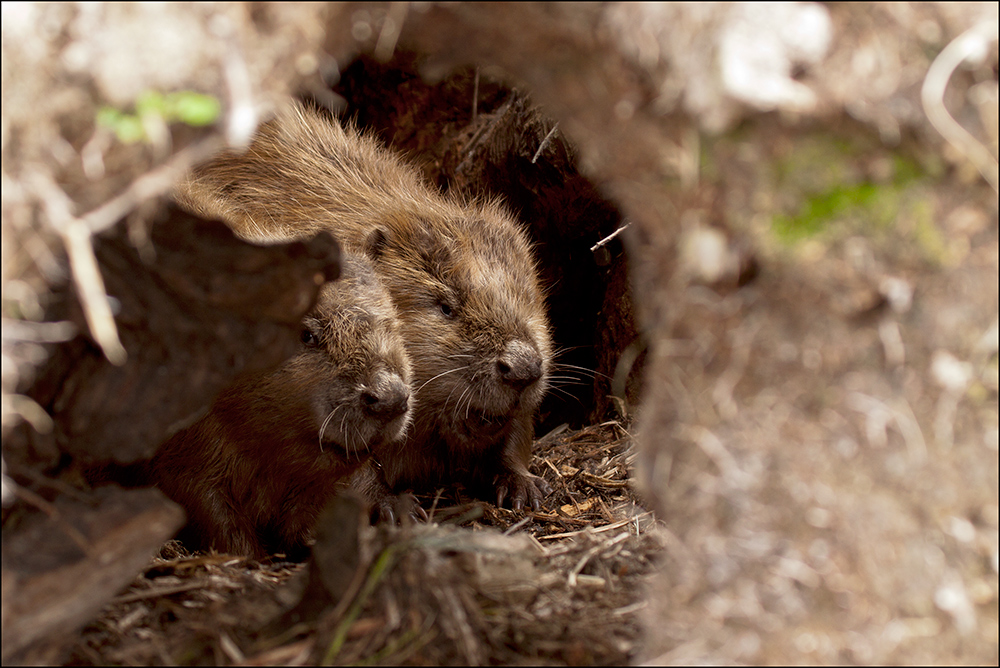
[820, 169]
[820, 210]
[905, 171]
[188, 107]
[817, 164]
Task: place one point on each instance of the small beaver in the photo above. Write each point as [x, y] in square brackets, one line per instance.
[254, 473]
[461, 275]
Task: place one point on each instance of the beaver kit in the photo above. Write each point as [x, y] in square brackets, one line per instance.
[255, 472]
[461, 275]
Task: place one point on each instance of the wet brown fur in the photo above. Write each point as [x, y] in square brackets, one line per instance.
[254, 473]
[461, 275]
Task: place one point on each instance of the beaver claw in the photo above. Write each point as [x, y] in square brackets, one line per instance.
[394, 507]
[522, 487]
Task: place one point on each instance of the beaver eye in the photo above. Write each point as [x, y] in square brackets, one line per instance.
[446, 310]
[309, 338]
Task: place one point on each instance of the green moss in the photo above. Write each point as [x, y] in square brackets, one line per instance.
[836, 198]
[905, 171]
[821, 211]
[815, 166]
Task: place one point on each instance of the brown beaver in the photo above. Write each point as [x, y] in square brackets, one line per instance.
[254, 473]
[461, 275]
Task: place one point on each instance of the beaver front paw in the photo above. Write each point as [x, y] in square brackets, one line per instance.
[393, 507]
[521, 488]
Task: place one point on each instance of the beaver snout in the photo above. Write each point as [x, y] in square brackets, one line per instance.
[386, 398]
[519, 365]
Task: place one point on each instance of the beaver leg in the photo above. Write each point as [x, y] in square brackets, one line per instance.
[514, 481]
[222, 528]
[384, 505]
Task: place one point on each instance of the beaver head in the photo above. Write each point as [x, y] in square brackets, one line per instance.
[473, 318]
[353, 373]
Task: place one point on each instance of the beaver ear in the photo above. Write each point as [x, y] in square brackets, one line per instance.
[376, 244]
[435, 252]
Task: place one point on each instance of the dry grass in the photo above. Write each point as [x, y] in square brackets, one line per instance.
[476, 585]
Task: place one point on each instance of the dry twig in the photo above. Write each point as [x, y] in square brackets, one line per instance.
[969, 44]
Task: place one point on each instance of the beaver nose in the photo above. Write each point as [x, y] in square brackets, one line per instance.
[387, 398]
[519, 365]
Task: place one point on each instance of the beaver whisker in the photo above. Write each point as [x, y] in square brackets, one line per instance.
[590, 373]
[444, 373]
[468, 404]
[566, 393]
[574, 376]
[450, 394]
[563, 381]
[480, 378]
[322, 427]
[467, 396]
[354, 448]
[343, 421]
[564, 349]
